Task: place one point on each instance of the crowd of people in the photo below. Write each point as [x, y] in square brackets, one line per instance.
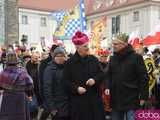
[60, 86]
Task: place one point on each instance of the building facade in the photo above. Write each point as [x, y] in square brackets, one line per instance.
[125, 16]
[36, 26]
[36, 23]
[2, 22]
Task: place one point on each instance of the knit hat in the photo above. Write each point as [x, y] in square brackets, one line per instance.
[122, 37]
[80, 38]
[11, 58]
[59, 50]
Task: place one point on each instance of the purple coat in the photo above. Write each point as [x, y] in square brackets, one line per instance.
[14, 81]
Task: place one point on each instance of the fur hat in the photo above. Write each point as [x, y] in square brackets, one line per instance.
[80, 38]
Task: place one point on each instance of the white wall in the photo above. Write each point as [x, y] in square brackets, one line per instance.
[33, 29]
[154, 19]
[127, 25]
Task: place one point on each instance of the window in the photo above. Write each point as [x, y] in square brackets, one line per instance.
[43, 21]
[24, 19]
[115, 25]
[136, 16]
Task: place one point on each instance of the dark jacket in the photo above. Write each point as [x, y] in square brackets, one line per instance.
[42, 67]
[103, 66]
[54, 92]
[32, 70]
[77, 71]
[128, 80]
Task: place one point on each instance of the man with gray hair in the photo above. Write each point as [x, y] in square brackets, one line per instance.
[127, 80]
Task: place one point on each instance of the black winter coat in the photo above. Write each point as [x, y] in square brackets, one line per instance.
[77, 71]
[53, 88]
[32, 70]
[42, 67]
[128, 80]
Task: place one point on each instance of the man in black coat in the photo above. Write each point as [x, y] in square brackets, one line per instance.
[42, 67]
[127, 79]
[54, 91]
[80, 75]
[44, 63]
[32, 69]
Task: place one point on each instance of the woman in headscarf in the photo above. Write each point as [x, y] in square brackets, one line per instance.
[14, 84]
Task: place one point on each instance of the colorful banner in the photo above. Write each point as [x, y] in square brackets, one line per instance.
[68, 22]
[99, 31]
[152, 40]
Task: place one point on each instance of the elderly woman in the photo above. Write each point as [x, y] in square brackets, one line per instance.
[14, 83]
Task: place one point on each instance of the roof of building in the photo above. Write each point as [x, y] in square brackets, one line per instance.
[47, 5]
[99, 6]
[92, 6]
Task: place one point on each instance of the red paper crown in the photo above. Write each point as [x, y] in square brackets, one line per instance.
[102, 52]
